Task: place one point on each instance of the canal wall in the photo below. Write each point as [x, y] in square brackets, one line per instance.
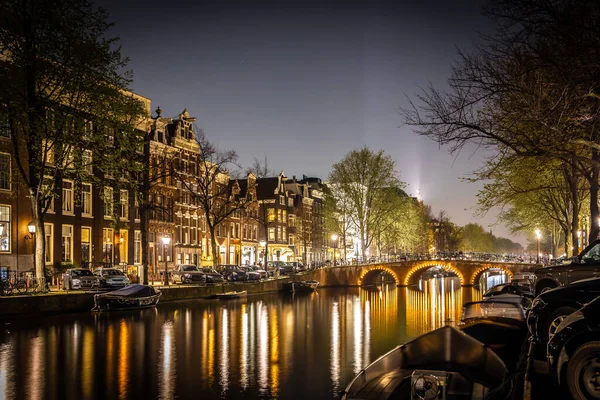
[68, 302]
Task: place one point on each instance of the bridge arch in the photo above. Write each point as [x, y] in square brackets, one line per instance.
[477, 274]
[430, 264]
[367, 272]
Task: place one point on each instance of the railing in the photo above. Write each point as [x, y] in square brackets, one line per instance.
[448, 256]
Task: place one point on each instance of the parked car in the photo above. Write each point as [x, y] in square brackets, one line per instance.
[299, 266]
[550, 308]
[111, 278]
[80, 278]
[274, 267]
[287, 269]
[574, 351]
[188, 273]
[212, 276]
[231, 272]
[585, 265]
[250, 273]
[262, 272]
[509, 288]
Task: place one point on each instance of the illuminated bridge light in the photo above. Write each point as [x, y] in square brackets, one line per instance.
[369, 270]
[427, 265]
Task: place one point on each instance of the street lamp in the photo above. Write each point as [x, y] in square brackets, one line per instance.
[263, 244]
[538, 234]
[334, 238]
[31, 230]
[166, 240]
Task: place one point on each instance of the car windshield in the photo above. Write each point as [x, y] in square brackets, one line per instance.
[111, 272]
[189, 268]
[81, 272]
[209, 271]
[592, 256]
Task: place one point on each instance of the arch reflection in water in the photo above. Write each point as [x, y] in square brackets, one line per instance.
[439, 303]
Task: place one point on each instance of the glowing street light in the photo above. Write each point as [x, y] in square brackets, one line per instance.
[538, 234]
[166, 240]
[334, 238]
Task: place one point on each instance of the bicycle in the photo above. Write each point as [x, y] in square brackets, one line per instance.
[6, 287]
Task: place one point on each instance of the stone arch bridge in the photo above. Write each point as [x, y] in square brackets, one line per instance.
[408, 272]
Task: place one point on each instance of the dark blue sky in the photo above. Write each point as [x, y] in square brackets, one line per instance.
[306, 82]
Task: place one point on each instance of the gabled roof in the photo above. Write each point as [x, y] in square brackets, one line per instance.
[266, 187]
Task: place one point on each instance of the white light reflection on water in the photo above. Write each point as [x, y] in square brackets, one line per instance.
[167, 363]
[224, 364]
[7, 384]
[263, 349]
[335, 346]
[36, 378]
[358, 337]
[367, 333]
[244, 349]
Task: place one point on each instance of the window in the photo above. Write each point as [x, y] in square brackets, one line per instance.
[271, 233]
[136, 207]
[284, 236]
[137, 247]
[284, 216]
[278, 233]
[292, 222]
[86, 247]
[87, 129]
[4, 171]
[5, 229]
[123, 245]
[67, 243]
[107, 245]
[254, 232]
[237, 230]
[86, 161]
[67, 197]
[281, 200]
[271, 214]
[245, 232]
[292, 240]
[86, 199]
[108, 201]
[48, 148]
[279, 216]
[124, 203]
[49, 234]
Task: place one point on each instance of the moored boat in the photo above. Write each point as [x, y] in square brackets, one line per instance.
[441, 364]
[498, 322]
[303, 286]
[129, 298]
[231, 295]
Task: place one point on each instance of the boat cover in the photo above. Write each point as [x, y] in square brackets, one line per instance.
[444, 349]
[134, 290]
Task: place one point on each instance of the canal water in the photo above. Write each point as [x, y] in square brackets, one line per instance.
[269, 346]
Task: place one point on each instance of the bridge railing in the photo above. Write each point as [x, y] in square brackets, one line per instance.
[448, 256]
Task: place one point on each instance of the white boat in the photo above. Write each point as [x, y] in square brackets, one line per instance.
[231, 295]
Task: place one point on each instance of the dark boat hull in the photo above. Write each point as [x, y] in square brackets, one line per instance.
[128, 298]
[461, 365]
[303, 286]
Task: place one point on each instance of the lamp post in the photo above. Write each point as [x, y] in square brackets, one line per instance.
[31, 236]
[263, 244]
[166, 240]
[334, 238]
[538, 234]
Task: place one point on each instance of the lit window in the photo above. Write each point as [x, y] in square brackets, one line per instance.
[67, 243]
[271, 213]
[67, 197]
[5, 229]
[86, 247]
[271, 233]
[124, 203]
[86, 199]
[49, 234]
[137, 247]
[108, 201]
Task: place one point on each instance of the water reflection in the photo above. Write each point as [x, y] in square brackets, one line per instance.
[492, 278]
[271, 346]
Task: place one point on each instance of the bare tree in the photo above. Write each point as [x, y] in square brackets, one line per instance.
[217, 194]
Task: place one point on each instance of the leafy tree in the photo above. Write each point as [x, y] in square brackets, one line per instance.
[366, 180]
[531, 91]
[64, 91]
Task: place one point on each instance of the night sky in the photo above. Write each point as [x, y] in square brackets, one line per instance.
[306, 82]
